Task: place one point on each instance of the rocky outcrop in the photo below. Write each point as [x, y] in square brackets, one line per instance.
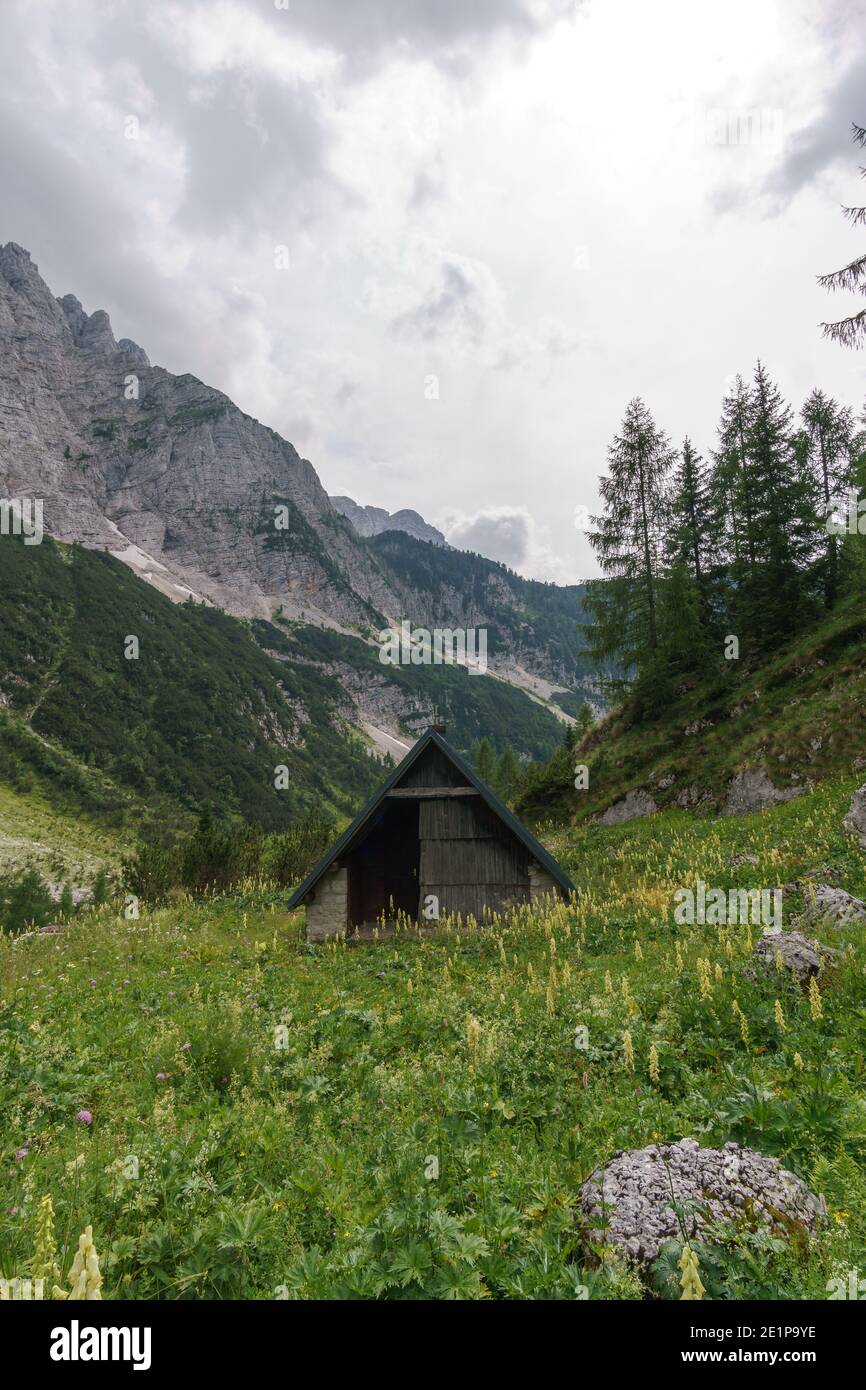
[823, 903]
[855, 820]
[753, 791]
[635, 804]
[798, 953]
[635, 1192]
[372, 521]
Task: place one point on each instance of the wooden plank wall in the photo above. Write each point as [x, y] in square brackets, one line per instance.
[469, 860]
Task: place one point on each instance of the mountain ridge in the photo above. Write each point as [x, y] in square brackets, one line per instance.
[203, 501]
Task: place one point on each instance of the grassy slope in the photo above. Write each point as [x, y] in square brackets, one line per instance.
[800, 714]
[33, 833]
[262, 1167]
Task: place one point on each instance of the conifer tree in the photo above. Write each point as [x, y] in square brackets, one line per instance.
[507, 781]
[731, 484]
[688, 533]
[785, 525]
[484, 759]
[829, 434]
[629, 542]
[850, 331]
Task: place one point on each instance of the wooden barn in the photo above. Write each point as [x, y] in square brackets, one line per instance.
[433, 841]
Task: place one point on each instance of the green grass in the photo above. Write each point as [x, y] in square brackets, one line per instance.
[239, 1166]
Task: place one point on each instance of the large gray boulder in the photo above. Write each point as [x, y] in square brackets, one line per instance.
[824, 903]
[635, 1192]
[753, 791]
[855, 820]
[800, 954]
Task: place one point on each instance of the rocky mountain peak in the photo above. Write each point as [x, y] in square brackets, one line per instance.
[372, 521]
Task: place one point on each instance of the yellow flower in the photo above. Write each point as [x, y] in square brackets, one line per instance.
[654, 1064]
[815, 1006]
[690, 1283]
[84, 1277]
[45, 1246]
[608, 983]
[798, 1061]
[628, 1050]
[779, 1016]
[741, 1018]
[638, 953]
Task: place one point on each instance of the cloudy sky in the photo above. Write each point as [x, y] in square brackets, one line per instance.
[439, 244]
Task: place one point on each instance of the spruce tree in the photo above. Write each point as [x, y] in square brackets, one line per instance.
[507, 774]
[629, 541]
[688, 536]
[484, 758]
[731, 484]
[785, 524]
[850, 331]
[829, 434]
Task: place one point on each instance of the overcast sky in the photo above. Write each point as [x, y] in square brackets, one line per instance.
[502, 219]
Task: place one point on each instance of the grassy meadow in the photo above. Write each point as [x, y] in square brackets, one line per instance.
[238, 1113]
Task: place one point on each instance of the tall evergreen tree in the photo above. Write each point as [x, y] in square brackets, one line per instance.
[731, 484]
[629, 542]
[829, 433]
[484, 760]
[850, 331]
[507, 780]
[688, 533]
[785, 525]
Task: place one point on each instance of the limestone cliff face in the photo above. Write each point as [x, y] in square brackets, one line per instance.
[164, 470]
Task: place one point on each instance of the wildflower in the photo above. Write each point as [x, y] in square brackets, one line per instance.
[690, 1283]
[679, 960]
[779, 1016]
[654, 1064]
[473, 1036]
[608, 983]
[628, 1050]
[780, 964]
[161, 1076]
[85, 1279]
[529, 970]
[815, 1007]
[798, 1061]
[638, 953]
[185, 1047]
[85, 1117]
[45, 1246]
[719, 973]
[743, 1022]
[703, 968]
[410, 988]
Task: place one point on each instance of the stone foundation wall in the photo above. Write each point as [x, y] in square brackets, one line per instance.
[328, 905]
[541, 883]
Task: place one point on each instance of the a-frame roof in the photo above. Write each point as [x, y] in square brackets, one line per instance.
[359, 824]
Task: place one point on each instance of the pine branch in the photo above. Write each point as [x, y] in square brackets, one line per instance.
[858, 133]
[847, 332]
[850, 277]
[856, 216]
